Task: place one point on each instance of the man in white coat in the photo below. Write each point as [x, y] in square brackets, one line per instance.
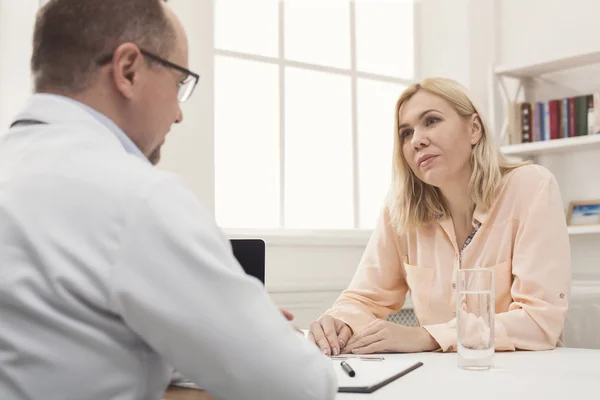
[111, 271]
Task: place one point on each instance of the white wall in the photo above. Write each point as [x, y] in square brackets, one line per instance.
[307, 278]
[188, 150]
[455, 42]
[540, 29]
[16, 31]
[443, 46]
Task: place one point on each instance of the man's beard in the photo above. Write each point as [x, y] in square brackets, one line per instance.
[154, 157]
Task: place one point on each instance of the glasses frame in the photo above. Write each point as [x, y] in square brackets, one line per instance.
[107, 58]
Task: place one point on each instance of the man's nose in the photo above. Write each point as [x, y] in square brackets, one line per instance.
[179, 116]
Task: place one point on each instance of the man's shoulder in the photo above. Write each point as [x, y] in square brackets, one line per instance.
[127, 175]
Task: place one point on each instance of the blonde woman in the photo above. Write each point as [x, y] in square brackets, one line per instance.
[455, 203]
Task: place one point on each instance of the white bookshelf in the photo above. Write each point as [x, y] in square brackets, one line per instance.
[584, 230]
[524, 74]
[575, 161]
[552, 146]
[548, 66]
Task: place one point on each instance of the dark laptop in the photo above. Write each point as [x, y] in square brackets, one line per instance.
[250, 253]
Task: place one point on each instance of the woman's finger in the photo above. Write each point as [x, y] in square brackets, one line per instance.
[375, 347]
[328, 324]
[364, 341]
[344, 336]
[368, 330]
[319, 337]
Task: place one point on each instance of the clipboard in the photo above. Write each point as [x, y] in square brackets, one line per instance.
[371, 376]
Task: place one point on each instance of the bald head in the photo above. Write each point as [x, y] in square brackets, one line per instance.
[70, 37]
[178, 50]
[177, 26]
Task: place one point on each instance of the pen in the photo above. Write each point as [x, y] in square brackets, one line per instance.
[346, 367]
[364, 358]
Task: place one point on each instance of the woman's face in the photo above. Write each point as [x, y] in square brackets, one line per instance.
[435, 141]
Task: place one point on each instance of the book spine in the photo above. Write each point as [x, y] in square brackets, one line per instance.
[572, 117]
[596, 112]
[554, 119]
[539, 122]
[565, 118]
[590, 114]
[526, 122]
[546, 121]
[518, 127]
[581, 116]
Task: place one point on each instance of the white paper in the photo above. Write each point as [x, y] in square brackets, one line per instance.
[369, 373]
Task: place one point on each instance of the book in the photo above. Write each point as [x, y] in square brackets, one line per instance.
[555, 118]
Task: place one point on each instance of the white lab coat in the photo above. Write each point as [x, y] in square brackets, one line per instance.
[111, 273]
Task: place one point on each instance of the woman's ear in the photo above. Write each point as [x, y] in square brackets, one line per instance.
[476, 129]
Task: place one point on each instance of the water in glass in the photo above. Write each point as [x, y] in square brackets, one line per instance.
[475, 318]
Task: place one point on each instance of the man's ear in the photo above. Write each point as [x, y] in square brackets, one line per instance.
[127, 66]
[476, 129]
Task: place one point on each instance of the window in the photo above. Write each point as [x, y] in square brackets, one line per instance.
[304, 105]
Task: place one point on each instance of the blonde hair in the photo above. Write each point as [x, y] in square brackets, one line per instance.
[412, 202]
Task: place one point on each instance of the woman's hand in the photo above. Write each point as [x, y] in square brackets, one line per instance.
[382, 336]
[330, 334]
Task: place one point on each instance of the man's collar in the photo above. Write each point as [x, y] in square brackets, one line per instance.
[56, 109]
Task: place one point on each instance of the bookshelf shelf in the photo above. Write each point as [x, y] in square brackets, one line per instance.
[573, 159]
[584, 230]
[548, 66]
[552, 146]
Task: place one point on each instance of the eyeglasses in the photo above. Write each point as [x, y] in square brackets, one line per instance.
[186, 86]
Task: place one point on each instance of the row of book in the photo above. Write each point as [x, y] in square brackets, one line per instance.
[555, 119]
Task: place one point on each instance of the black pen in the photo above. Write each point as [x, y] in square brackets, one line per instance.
[346, 367]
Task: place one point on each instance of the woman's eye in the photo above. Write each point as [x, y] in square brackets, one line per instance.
[406, 133]
[432, 120]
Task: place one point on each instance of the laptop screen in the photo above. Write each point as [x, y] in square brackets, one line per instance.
[250, 253]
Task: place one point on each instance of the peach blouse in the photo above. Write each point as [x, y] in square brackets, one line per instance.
[523, 237]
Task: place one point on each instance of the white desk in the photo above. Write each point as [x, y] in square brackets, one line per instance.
[559, 374]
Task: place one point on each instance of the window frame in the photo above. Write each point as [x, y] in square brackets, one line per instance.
[355, 235]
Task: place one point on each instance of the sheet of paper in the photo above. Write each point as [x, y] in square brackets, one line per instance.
[369, 373]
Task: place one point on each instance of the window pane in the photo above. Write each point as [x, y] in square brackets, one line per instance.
[318, 151]
[318, 32]
[376, 102]
[384, 37]
[246, 144]
[247, 26]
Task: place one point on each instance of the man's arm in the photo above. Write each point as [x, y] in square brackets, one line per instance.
[177, 284]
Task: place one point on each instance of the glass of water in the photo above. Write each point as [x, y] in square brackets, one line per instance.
[475, 309]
